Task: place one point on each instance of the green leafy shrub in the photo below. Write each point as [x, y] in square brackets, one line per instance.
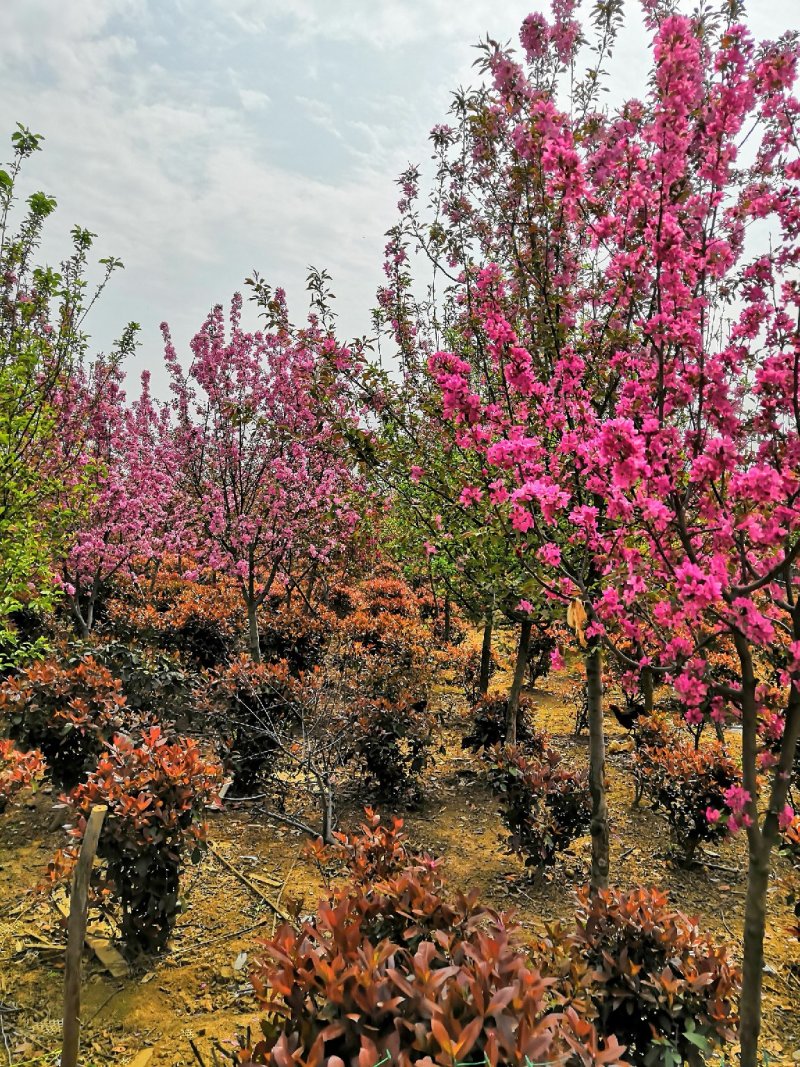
[157, 793]
[154, 682]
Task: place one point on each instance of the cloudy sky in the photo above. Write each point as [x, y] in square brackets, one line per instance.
[203, 138]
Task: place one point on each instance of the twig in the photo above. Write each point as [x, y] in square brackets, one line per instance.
[725, 924]
[221, 937]
[280, 891]
[110, 997]
[5, 1039]
[718, 867]
[250, 885]
[197, 1055]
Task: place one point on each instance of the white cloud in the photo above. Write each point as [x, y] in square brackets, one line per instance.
[183, 134]
[253, 100]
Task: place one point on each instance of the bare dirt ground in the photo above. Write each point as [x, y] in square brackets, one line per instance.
[199, 991]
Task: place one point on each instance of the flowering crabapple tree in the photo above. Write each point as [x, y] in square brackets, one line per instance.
[119, 504]
[262, 461]
[416, 464]
[653, 416]
[703, 457]
[503, 328]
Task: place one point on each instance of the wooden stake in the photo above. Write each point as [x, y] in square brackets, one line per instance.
[76, 932]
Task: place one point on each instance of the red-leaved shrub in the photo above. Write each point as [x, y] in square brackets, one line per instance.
[392, 743]
[157, 793]
[544, 806]
[392, 970]
[686, 783]
[66, 711]
[17, 770]
[488, 726]
[646, 974]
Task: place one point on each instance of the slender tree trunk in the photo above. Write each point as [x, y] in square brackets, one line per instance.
[326, 807]
[516, 685]
[81, 624]
[755, 917]
[486, 655]
[447, 620]
[597, 767]
[647, 690]
[760, 844]
[253, 641]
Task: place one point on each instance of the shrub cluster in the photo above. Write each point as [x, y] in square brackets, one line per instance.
[391, 970]
[647, 975]
[66, 711]
[392, 742]
[201, 620]
[544, 806]
[155, 683]
[468, 670]
[249, 706]
[688, 785]
[156, 792]
[488, 725]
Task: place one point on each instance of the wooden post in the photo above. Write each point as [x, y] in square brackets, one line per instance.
[76, 933]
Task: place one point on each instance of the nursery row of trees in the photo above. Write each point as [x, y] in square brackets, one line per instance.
[591, 427]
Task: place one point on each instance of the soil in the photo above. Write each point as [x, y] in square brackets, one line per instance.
[199, 992]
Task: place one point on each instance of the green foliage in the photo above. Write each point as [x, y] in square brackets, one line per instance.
[42, 343]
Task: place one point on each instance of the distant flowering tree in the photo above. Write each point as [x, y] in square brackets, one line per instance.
[261, 457]
[117, 505]
[639, 292]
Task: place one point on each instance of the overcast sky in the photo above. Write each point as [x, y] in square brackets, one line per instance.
[203, 138]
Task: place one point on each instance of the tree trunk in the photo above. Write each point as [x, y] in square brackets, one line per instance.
[597, 767]
[253, 641]
[447, 621]
[647, 690]
[760, 844]
[486, 655]
[755, 913]
[326, 808]
[81, 625]
[516, 685]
